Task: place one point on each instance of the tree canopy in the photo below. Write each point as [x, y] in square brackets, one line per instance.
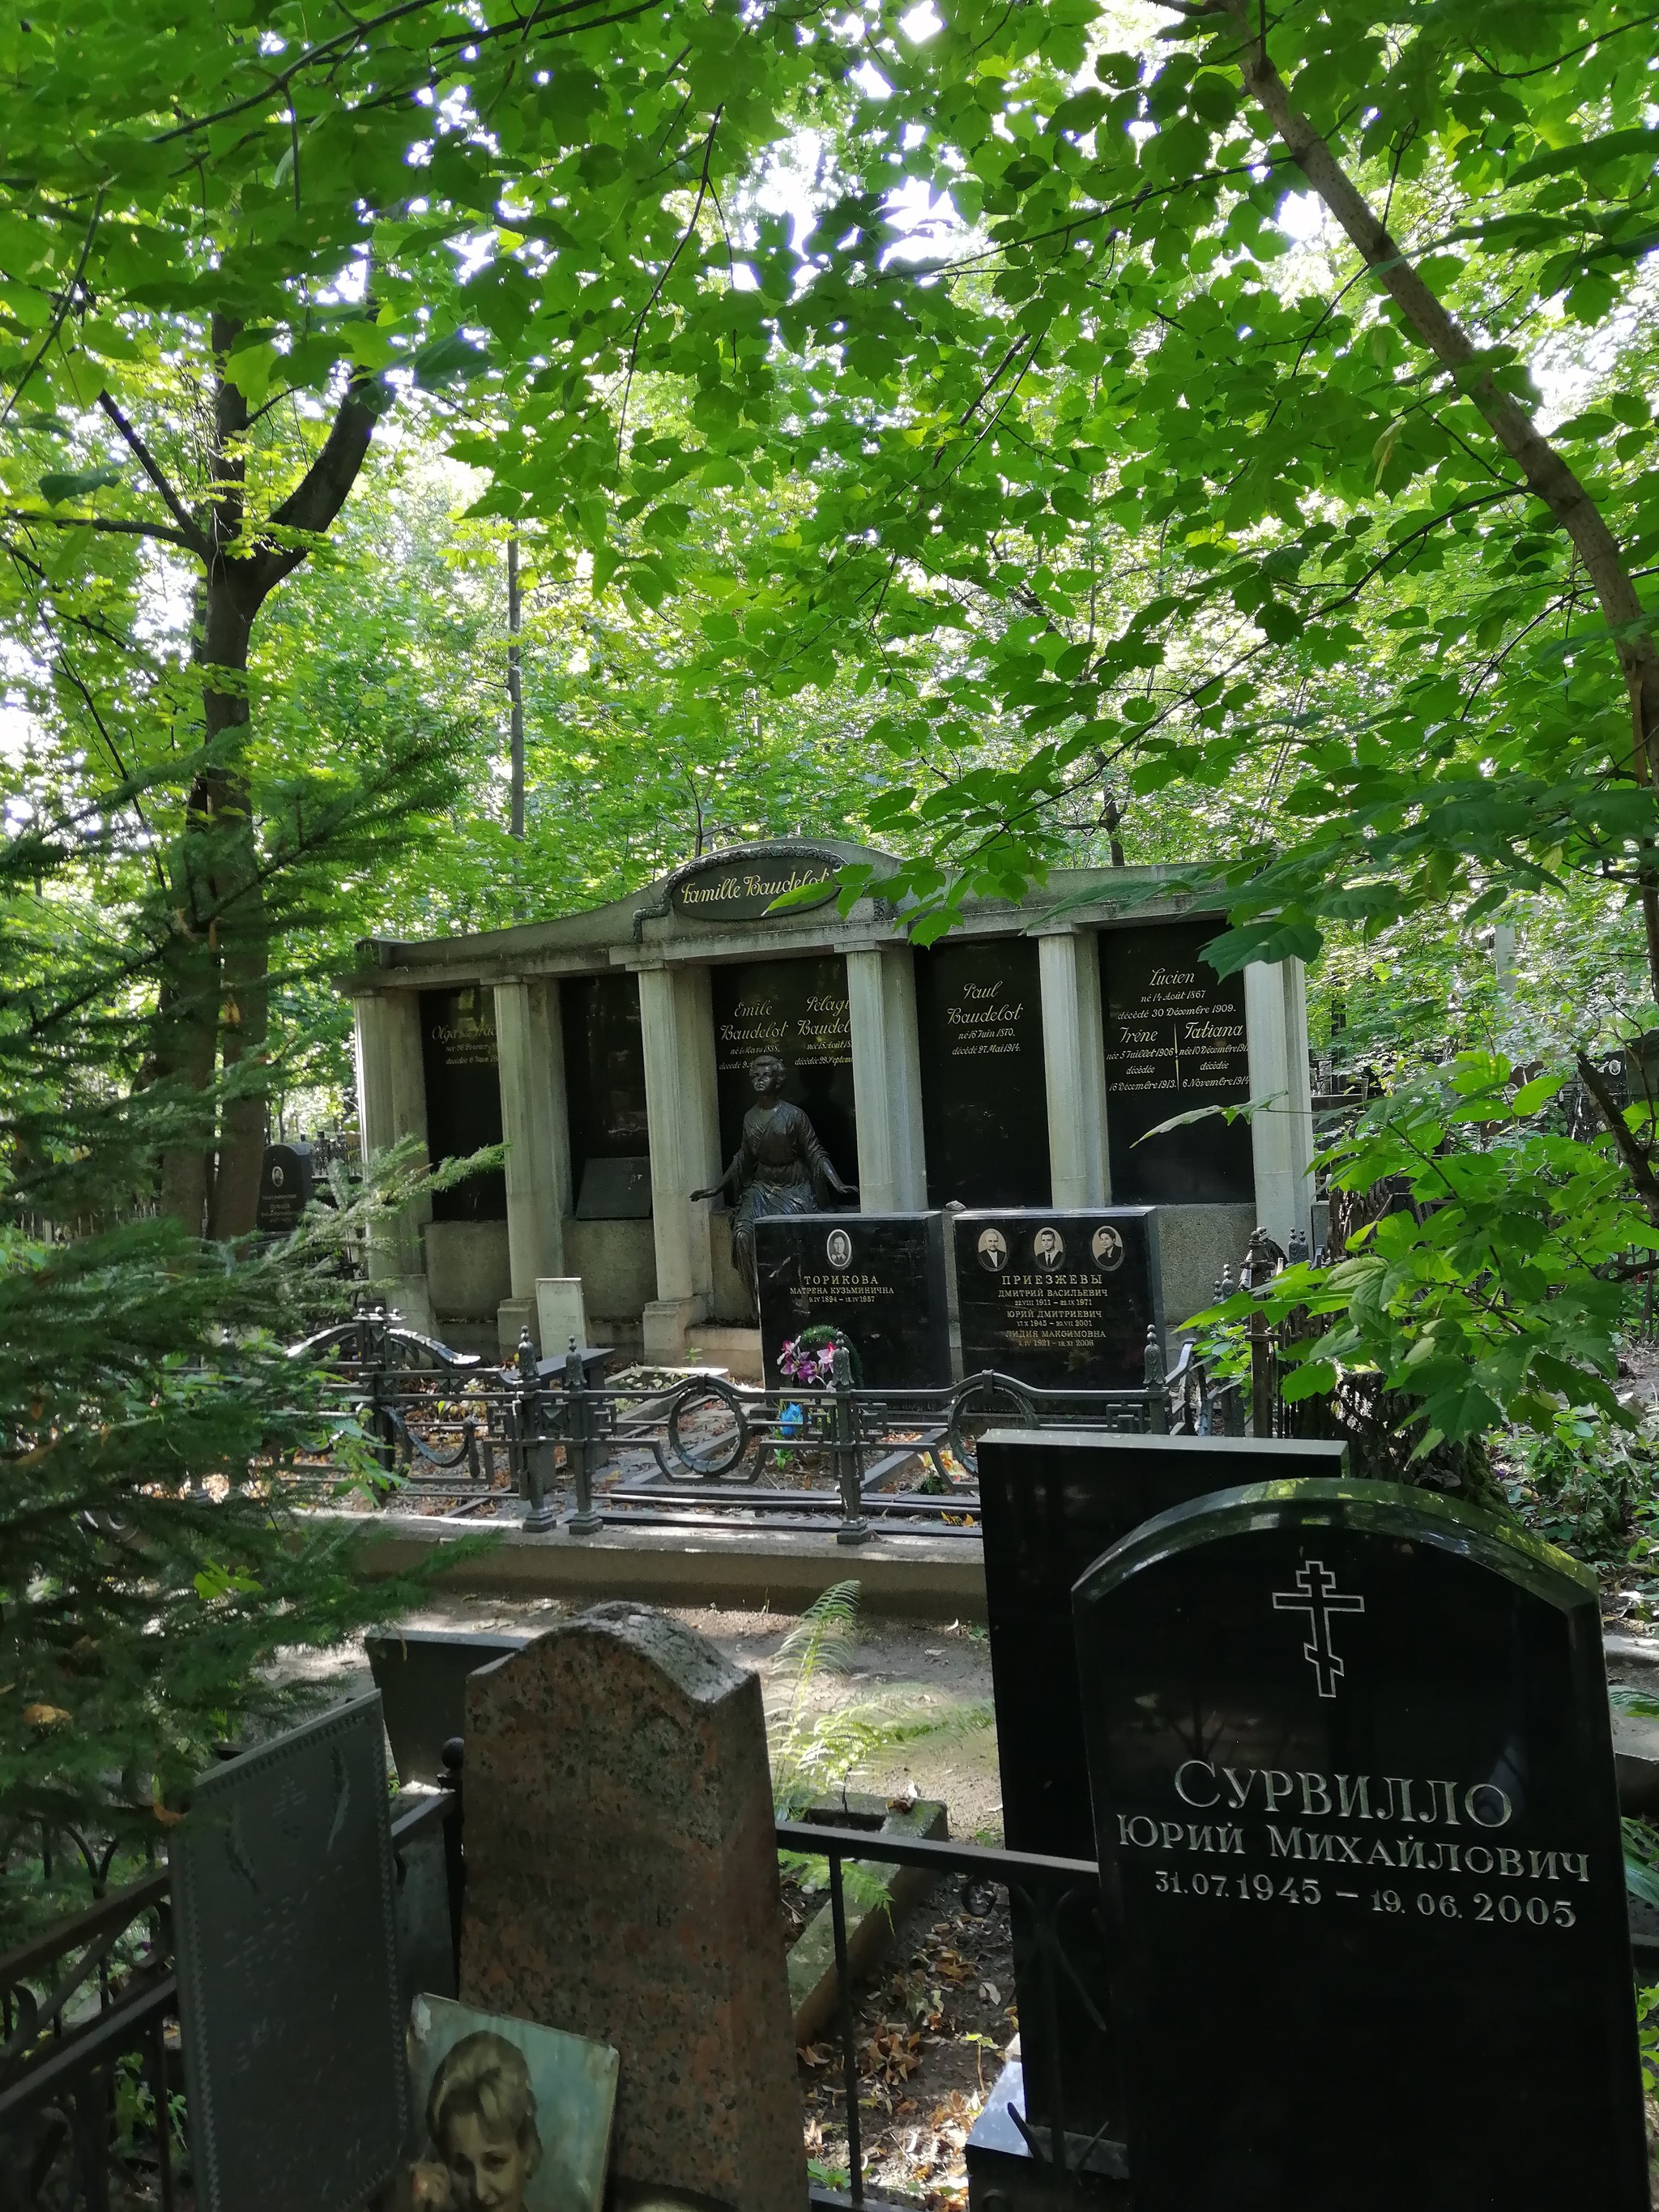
[1014, 432]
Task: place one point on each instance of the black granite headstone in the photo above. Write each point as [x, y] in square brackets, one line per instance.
[1354, 1797]
[798, 1009]
[1174, 1041]
[984, 1089]
[284, 1189]
[421, 1674]
[288, 1977]
[1049, 1505]
[463, 1097]
[878, 1278]
[603, 1084]
[1060, 1298]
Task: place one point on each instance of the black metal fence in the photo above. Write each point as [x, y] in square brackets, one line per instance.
[587, 1451]
[91, 2067]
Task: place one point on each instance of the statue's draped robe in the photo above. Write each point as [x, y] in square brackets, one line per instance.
[780, 1167]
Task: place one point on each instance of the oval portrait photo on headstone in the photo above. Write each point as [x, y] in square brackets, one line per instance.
[993, 1250]
[1106, 1247]
[838, 1249]
[1048, 1247]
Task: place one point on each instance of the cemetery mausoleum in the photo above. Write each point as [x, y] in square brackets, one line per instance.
[1019, 1062]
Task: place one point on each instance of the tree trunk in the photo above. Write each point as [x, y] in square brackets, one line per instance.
[215, 1001]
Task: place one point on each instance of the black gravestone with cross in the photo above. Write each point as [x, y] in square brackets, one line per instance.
[1358, 1833]
[288, 1981]
[1060, 1298]
[1050, 1504]
[877, 1279]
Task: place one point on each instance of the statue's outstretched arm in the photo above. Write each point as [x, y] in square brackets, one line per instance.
[731, 1181]
[819, 1163]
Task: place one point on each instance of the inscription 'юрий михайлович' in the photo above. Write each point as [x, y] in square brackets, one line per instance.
[1352, 1768]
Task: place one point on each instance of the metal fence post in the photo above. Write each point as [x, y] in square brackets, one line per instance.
[854, 1528]
[454, 1759]
[522, 1448]
[1157, 1401]
[584, 1521]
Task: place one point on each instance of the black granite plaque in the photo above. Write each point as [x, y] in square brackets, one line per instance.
[1354, 1798]
[463, 1097]
[284, 1189]
[984, 1089]
[1174, 1041]
[1060, 1298]
[288, 1977]
[876, 1277]
[1050, 1504]
[605, 1088]
[421, 1674]
[798, 1010]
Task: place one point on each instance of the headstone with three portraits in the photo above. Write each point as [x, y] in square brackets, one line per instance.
[1060, 1299]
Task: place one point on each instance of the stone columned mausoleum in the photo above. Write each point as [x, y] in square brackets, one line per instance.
[1017, 1062]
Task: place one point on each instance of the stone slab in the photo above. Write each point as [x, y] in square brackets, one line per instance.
[623, 1885]
[1354, 1799]
[287, 1971]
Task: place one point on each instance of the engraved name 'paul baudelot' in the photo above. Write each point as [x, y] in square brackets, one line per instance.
[1271, 1815]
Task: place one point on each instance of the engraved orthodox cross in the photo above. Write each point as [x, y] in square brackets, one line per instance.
[1317, 1595]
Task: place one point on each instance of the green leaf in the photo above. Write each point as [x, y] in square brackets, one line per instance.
[60, 484]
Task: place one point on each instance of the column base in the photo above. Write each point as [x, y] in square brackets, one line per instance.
[666, 1322]
[408, 1297]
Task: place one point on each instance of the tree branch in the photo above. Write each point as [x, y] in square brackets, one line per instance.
[323, 491]
[1631, 1151]
[103, 522]
[152, 468]
[1547, 474]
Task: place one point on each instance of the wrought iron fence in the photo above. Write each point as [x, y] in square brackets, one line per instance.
[1045, 1887]
[91, 2066]
[90, 2009]
[652, 1448]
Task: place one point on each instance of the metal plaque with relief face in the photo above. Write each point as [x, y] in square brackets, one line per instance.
[282, 1892]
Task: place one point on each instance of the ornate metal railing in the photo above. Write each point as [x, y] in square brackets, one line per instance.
[91, 2066]
[449, 1430]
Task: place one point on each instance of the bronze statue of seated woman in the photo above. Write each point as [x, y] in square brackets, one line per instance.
[780, 1167]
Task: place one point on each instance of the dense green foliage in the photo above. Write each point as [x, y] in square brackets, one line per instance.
[1005, 434]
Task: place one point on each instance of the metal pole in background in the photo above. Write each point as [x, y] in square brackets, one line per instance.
[516, 680]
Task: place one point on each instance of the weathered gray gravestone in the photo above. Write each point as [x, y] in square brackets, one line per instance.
[287, 1979]
[1353, 1789]
[623, 1884]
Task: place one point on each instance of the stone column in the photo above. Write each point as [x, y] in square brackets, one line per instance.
[677, 1024]
[391, 1107]
[881, 1005]
[1281, 1135]
[1075, 1064]
[534, 1124]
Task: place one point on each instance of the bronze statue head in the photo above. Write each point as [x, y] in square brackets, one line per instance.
[767, 1074]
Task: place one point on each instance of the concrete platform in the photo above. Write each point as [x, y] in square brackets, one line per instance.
[909, 1577]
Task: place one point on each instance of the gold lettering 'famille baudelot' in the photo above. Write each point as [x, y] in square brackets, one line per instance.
[747, 892]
